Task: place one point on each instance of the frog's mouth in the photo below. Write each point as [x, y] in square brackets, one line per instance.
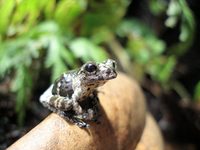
[101, 77]
[108, 75]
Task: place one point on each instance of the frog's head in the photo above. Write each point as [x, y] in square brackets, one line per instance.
[98, 73]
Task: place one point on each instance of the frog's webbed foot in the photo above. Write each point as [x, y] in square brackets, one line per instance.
[82, 124]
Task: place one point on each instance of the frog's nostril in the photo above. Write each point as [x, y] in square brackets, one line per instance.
[108, 71]
[114, 65]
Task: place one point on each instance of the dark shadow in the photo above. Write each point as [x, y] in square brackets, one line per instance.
[100, 128]
[103, 132]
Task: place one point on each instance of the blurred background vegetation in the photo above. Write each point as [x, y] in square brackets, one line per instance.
[150, 40]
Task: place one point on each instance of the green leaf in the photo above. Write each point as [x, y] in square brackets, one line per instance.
[157, 6]
[167, 69]
[26, 14]
[6, 9]
[138, 50]
[173, 8]
[134, 26]
[21, 11]
[185, 32]
[22, 85]
[187, 23]
[171, 21]
[68, 57]
[58, 57]
[67, 11]
[103, 14]
[43, 30]
[173, 12]
[102, 35]
[181, 12]
[155, 45]
[161, 68]
[86, 50]
[16, 52]
[143, 45]
[50, 6]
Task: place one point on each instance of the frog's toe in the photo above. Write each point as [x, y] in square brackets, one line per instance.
[82, 124]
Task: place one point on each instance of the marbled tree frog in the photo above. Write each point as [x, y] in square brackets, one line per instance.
[72, 88]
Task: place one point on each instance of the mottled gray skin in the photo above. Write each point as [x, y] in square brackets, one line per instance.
[76, 86]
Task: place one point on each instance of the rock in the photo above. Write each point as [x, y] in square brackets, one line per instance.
[122, 121]
[151, 138]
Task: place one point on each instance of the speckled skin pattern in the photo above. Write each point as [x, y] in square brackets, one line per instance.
[79, 86]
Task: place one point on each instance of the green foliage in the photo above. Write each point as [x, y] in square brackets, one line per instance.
[161, 69]
[106, 13]
[157, 6]
[59, 34]
[178, 10]
[67, 11]
[85, 49]
[180, 14]
[22, 85]
[14, 55]
[143, 45]
[6, 8]
[146, 49]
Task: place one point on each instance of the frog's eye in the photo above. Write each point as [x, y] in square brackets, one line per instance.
[90, 67]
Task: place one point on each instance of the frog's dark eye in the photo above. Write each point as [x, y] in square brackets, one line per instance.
[90, 67]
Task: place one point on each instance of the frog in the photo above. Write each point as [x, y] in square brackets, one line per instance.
[74, 87]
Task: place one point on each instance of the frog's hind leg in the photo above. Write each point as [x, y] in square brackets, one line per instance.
[55, 102]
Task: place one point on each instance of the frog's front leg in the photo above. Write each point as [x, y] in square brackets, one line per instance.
[58, 104]
[76, 97]
[91, 113]
[62, 106]
[80, 113]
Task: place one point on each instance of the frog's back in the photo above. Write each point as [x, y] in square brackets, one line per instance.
[63, 85]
